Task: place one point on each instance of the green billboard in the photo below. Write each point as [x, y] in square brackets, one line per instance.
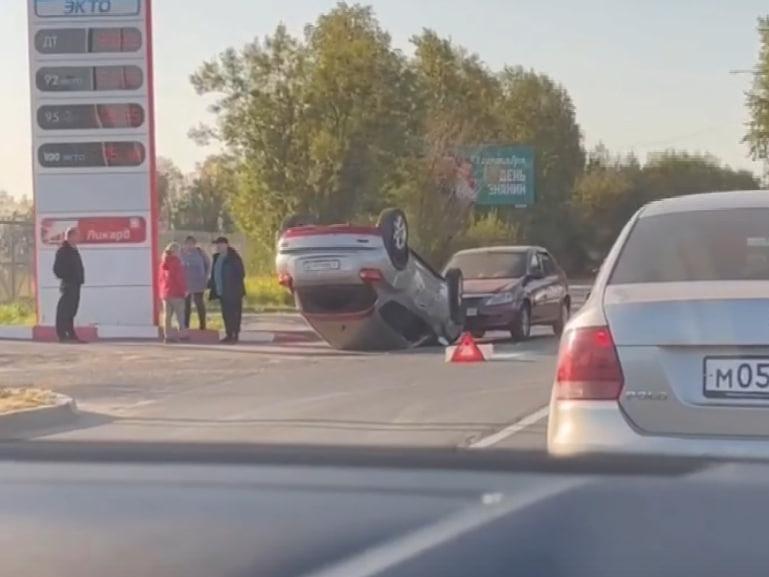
[496, 175]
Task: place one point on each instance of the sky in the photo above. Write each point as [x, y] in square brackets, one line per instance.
[644, 75]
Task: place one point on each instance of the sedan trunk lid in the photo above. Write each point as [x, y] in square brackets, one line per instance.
[687, 349]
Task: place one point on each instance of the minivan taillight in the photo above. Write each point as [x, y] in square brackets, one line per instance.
[588, 366]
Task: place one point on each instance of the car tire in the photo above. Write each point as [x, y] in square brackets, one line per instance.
[454, 280]
[563, 318]
[522, 328]
[395, 234]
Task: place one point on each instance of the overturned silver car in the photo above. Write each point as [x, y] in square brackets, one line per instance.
[363, 288]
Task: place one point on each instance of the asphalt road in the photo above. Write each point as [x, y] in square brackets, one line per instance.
[305, 394]
[295, 394]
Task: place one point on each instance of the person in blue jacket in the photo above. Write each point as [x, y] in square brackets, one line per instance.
[197, 270]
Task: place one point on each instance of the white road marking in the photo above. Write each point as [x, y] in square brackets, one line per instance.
[511, 430]
[399, 550]
[526, 356]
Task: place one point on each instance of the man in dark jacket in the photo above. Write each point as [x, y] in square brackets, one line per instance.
[227, 285]
[68, 268]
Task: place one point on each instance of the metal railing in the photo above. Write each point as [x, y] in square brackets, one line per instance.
[17, 260]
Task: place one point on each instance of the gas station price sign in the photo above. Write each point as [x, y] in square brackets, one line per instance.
[93, 135]
[90, 116]
[91, 154]
[88, 40]
[89, 78]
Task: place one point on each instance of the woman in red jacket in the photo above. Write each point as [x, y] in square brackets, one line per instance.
[173, 290]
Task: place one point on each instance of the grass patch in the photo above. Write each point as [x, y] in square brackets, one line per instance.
[263, 292]
[13, 399]
[263, 295]
[18, 313]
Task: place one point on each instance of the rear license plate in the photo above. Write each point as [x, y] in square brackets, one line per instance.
[736, 377]
[321, 265]
[472, 312]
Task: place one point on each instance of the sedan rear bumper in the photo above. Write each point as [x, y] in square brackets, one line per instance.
[583, 427]
[489, 319]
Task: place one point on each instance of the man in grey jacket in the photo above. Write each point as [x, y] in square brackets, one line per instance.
[197, 269]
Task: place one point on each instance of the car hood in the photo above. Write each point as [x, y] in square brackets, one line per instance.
[490, 285]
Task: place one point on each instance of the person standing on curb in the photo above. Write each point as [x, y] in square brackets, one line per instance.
[228, 286]
[68, 268]
[173, 290]
[197, 269]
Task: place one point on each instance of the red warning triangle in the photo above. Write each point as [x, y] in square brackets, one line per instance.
[467, 351]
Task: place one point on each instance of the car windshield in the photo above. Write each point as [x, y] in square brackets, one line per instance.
[483, 265]
[723, 245]
[273, 222]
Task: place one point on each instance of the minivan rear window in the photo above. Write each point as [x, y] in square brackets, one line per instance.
[722, 245]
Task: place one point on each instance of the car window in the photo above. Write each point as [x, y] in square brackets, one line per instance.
[534, 262]
[696, 246]
[547, 264]
[480, 265]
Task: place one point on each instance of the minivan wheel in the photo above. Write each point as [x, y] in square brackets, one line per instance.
[522, 329]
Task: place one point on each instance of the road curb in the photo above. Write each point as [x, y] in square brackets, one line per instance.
[34, 334]
[279, 337]
[21, 424]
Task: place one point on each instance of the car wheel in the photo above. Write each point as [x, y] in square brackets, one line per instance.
[454, 280]
[395, 234]
[478, 334]
[522, 329]
[562, 319]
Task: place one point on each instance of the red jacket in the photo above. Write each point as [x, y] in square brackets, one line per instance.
[171, 278]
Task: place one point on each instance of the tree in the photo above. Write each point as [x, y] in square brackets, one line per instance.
[456, 101]
[170, 184]
[612, 189]
[318, 123]
[538, 112]
[204, 204]
[757, 136]
[13, 209]
[605, 196]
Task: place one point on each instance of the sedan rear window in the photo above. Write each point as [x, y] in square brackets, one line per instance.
[723, 245]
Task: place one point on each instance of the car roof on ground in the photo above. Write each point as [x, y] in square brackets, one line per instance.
[708, 201]
[487, 249]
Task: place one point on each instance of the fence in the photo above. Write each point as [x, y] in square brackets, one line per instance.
[237, 240]
[17, 260]
[17, 255]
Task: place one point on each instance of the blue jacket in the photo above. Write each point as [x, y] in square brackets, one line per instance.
[197, 267]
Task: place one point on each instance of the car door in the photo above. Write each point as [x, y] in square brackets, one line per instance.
[553, 288]
[536, 288]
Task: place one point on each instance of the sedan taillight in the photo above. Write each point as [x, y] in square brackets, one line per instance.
[588, 366]
[371, 275]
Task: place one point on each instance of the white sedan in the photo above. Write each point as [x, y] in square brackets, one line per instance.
[671, 352]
